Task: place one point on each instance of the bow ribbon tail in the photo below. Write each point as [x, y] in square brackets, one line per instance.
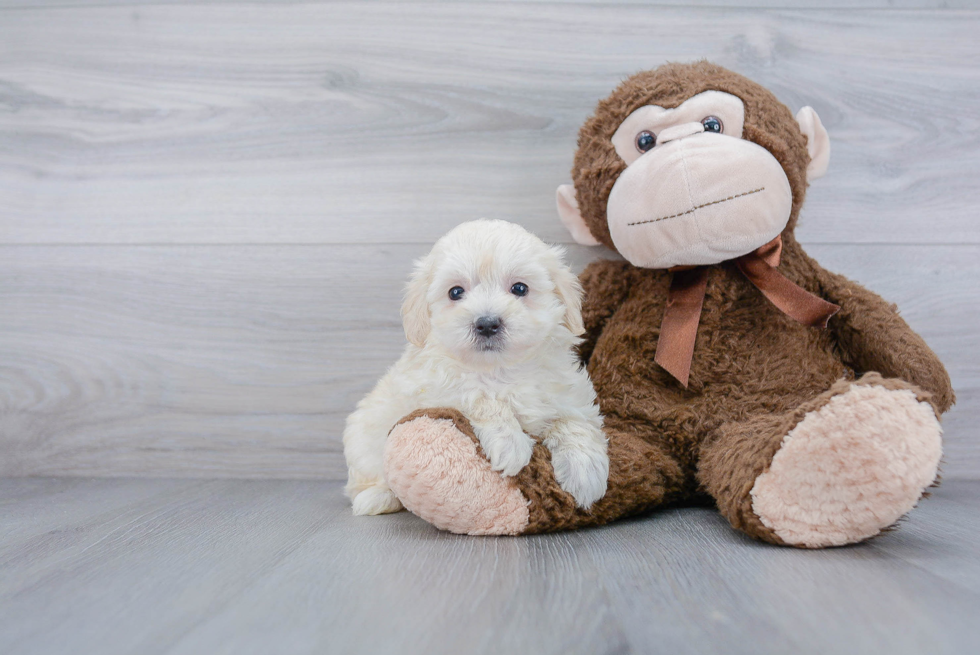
[794, 301]
[679, 328]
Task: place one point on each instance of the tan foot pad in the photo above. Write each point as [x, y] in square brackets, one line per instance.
[439, 475]
[850, 468]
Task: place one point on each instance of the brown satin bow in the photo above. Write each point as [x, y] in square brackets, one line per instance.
[686, 295]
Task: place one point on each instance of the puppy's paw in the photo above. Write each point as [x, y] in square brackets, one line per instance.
[378, 499]
[582, 470]
[508, 450]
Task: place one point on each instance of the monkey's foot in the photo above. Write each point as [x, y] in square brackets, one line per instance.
[434, 465]
[852, 467]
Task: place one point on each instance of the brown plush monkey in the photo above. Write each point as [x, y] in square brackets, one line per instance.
[729, 365]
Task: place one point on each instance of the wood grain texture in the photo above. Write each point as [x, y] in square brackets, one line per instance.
[391, 122]
[244, 361]
[837, 5]
[281, 566]
[207, 211]
[916, 542]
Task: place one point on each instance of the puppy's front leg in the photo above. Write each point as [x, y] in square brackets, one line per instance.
[501, 436]
[580, 459]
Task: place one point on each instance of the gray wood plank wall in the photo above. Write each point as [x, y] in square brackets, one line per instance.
[207, 211]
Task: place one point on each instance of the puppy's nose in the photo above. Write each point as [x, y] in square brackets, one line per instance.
[487, 326]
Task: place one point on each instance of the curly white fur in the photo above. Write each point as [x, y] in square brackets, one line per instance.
[524, 380]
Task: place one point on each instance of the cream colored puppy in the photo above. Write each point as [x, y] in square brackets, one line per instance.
[492, 316]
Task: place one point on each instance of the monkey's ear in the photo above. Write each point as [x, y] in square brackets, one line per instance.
[569, 289]
[415, 309]
[571, 218]
[817, 142]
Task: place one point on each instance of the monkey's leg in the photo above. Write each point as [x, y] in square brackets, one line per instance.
[837, 470]
[434, 464]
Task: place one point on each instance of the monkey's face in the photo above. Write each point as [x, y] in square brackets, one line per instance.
[691, 189]
[694, 192]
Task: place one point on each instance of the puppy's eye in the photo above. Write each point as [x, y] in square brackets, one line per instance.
[456, 293]
[519, 289]
[645, 140]
[712, 124]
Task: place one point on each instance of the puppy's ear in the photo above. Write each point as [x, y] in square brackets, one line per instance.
[569, 289]
[415, 308]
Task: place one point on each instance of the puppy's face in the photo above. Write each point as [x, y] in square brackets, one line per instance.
[489, 293]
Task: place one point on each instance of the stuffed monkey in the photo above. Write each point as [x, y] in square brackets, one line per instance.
[729, 366]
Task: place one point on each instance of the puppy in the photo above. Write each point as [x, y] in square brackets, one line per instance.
[492, 316]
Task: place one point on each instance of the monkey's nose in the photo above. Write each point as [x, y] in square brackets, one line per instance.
[679, 132]
[487, 326]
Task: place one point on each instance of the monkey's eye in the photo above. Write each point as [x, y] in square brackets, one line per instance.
[645, 140]
[456, 293]
[519, 289]
[712, 124]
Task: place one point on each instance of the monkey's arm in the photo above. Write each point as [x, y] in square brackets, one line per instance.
[606, 284]
[873, 337]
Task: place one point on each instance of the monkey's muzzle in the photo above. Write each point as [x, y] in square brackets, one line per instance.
[699, 200]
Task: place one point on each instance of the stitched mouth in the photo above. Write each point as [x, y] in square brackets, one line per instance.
[694, 209]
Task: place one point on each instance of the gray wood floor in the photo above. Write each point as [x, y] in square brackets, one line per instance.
[184, 566]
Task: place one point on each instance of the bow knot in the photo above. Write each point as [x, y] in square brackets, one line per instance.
[686, 296]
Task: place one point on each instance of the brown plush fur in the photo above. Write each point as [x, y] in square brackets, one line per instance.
[755, 372]
[768, 123]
